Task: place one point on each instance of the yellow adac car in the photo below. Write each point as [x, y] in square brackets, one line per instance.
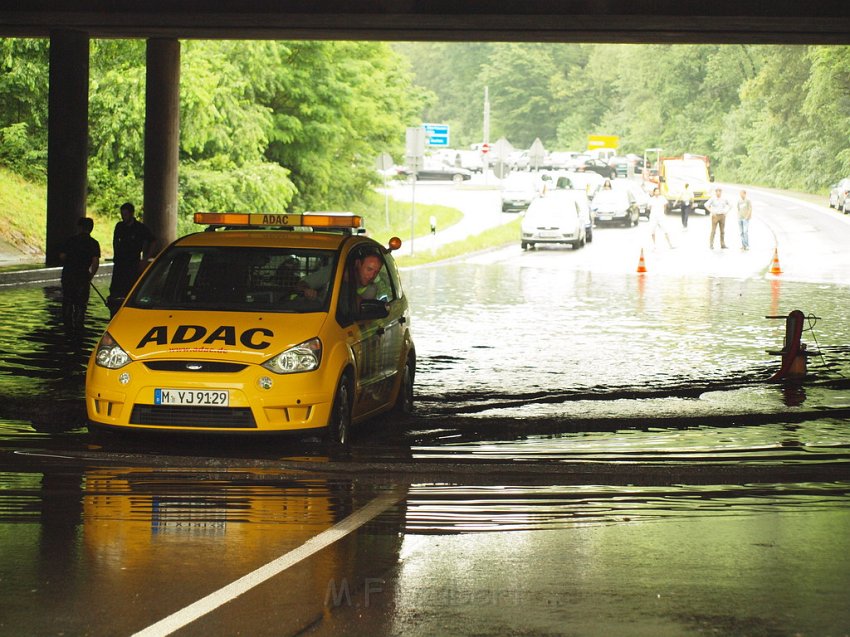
[262, 323]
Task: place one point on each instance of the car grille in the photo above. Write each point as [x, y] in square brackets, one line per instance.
[182, 416]
[194, 366]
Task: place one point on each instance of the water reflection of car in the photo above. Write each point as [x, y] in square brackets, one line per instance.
[554, 217]
[518, 191]
[615, 207]
[839, 196]
[258, 326]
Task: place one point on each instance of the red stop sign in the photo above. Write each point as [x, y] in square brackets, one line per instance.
[485, 148]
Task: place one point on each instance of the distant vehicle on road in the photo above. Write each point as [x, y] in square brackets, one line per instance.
[519, 190]
[597, 166]
[634, 187]
[839, 196]
[588, 182]
[553, 218]
[675, 172]
[518, 160]
[615, 206]
[440, 172]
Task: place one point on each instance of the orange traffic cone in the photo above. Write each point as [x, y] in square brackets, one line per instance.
[641, 263]
[774, 267]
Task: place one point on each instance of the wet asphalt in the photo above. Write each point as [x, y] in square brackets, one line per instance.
[593, 452]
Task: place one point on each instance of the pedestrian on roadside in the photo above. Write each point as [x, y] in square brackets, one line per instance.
[687, 200]
[719, 207]
[657, 214]
[745, 213]
[80, 257]
[132, 243]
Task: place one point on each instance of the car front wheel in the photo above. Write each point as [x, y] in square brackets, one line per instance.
[457, 179]
[339, 427]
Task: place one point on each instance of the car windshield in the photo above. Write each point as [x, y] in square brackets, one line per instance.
[236, 279]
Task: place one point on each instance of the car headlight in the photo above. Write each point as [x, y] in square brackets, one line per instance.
[303, 357]
[110, 354]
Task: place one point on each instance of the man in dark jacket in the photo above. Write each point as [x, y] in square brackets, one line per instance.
[80, 256]
[132, 242]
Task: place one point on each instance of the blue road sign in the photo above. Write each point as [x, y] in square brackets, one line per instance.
[436, 134]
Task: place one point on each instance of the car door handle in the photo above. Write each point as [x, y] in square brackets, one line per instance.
[381, 331]
[402, 320]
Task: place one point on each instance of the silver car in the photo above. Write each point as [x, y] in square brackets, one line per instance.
[553, 218]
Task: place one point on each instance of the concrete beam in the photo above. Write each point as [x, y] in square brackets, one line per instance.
[668, 21]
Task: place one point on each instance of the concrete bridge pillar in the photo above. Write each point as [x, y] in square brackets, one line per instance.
[162, 138]
[67, 137]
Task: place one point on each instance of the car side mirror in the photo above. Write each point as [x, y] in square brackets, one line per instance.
[372, 309]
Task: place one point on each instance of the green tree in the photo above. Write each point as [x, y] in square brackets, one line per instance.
[23, 106]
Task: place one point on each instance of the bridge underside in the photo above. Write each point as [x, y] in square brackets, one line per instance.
[669, 21]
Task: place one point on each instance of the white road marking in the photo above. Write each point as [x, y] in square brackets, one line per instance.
[207, 604]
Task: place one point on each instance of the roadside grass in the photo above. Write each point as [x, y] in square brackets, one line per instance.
[23, 206]
[498, 236]
[386, 218]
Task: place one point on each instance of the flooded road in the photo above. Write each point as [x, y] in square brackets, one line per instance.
[593, 452]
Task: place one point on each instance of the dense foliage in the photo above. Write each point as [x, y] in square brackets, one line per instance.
[298, 125]
[775, 115]
[264, 125]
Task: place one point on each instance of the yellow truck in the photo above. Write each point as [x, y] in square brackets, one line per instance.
[675, 172]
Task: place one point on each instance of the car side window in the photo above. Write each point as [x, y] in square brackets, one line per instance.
[366, 277]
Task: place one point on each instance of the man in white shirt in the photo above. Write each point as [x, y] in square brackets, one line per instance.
[657, 213]
[719, 207]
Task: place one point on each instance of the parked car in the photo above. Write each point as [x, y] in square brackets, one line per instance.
[518, 160]
[519, 190]
[589, 182]
[256, 327]
[597, 166]
[471, 160]
[553, 218]
[440, 172]
[641, 196]
[839, 196]
[615, 206]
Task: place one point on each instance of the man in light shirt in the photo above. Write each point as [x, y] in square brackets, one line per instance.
[719, 207]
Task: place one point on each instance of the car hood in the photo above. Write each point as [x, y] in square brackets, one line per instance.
[235, 336]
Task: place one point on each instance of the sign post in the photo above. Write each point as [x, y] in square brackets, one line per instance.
[414, 154]
[384, 163]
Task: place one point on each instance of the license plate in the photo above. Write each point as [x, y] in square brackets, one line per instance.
[548, 234]
[202, 397]
[603, 217]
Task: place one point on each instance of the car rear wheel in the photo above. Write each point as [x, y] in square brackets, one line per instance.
[339, 427]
